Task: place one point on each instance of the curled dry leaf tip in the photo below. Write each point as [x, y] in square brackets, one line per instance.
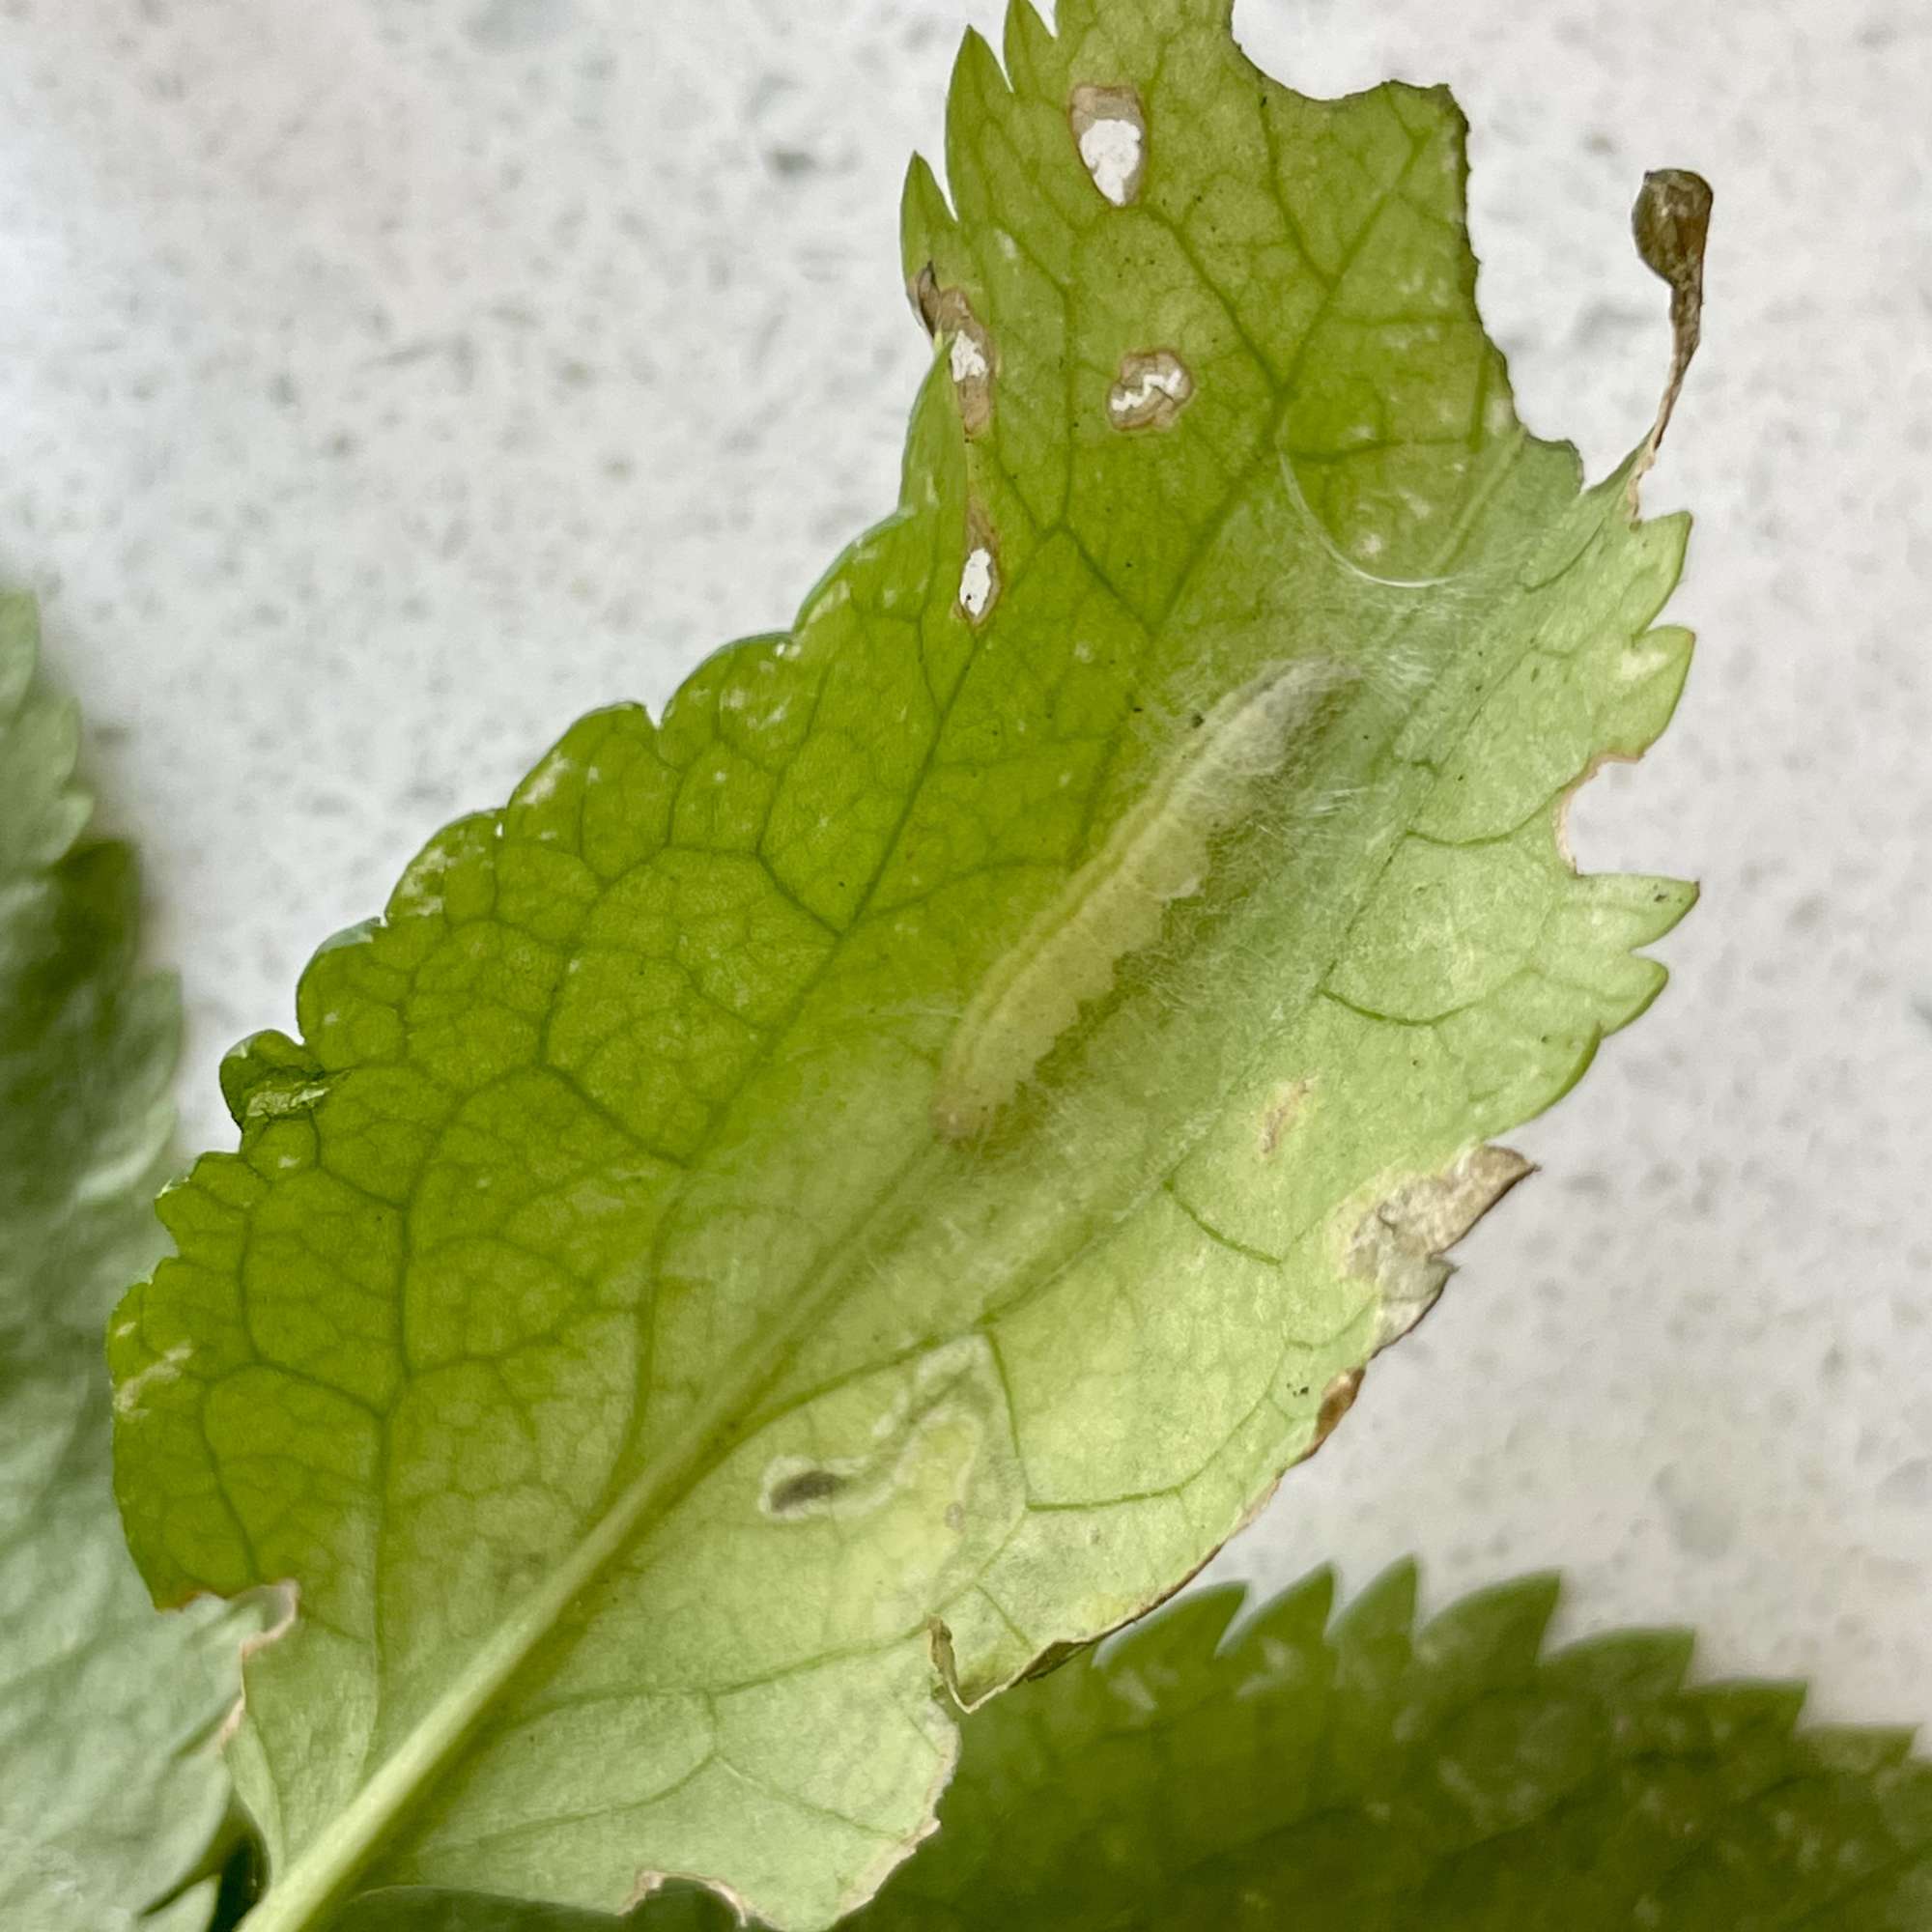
[1671, 221]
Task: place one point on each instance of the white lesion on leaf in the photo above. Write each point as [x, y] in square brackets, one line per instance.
[419, 895]
[979, 582]
[164, 1368]
[280, 1610]
[1110, 129]
[967, 359]
[1153, 386]
[979, 574]
[970, 358]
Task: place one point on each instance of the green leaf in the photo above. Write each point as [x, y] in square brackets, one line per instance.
[875, 1175]
[1298, 1770]
[110, 1791]
[409, 1908]
[1368, 1774]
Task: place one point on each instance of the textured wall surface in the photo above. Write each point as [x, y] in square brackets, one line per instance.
[383, 383]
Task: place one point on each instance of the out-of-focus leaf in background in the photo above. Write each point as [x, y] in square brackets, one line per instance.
[111, 1786]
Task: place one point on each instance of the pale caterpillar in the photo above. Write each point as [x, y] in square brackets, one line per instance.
[1113, 906]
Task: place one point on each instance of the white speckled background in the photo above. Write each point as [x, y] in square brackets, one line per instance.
[383, 383]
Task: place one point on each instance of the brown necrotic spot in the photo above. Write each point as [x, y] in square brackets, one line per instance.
[1282, 1113]
[1401, 1243]
[1337, 1400]
[1153, 387]
[970, 356]
[1109, 128]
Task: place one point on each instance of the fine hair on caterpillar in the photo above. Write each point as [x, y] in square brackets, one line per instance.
[1113, 907]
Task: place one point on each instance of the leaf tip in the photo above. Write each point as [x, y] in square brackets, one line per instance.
[926, 226]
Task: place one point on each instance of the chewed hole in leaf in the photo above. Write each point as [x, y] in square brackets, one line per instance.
[1110, 129]
[1153, 387]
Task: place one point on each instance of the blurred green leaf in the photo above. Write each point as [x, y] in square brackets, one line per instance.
[111, 1788]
